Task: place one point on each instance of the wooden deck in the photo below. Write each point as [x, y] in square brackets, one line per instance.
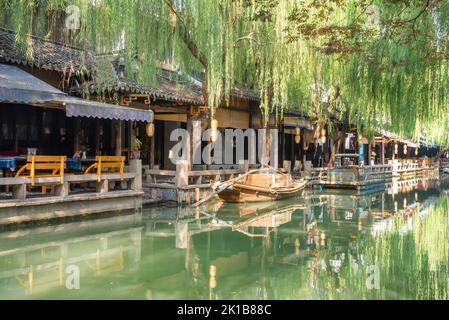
[184, 186]
[367, 178]
[77, 195]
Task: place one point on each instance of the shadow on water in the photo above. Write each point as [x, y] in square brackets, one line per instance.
[324, 245]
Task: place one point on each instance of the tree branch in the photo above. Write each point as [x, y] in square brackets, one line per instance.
[186, 37]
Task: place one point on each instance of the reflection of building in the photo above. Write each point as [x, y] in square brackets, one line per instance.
[43, 267]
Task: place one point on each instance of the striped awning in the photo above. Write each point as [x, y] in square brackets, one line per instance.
[18, 86]
[76, 107]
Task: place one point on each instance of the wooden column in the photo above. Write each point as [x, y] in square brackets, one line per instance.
[282, 143]
[97, 137]
[15, 137]
[118, 137]
[369, 152]
[152, 151]
[76, 140]
[131, 137]
[292, 151]
[190, 146]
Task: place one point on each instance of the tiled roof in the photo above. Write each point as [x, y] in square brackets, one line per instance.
[168, 88]
[53, 56]
[46, 55]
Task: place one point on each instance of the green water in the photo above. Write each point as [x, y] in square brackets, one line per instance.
[390, 245]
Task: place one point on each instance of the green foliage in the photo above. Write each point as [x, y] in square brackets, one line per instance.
[322, 57]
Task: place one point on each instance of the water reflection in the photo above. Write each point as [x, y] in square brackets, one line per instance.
[332, 245]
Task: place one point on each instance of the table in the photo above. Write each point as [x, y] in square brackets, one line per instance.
[78, 164]
[8, 165]
[10, 162]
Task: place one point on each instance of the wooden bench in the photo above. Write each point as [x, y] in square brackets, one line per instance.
[117, 163]
[53, 166]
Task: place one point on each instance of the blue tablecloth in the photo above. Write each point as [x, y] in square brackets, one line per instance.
[9, 162]
[73, 164]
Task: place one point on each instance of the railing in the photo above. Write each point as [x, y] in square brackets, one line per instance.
[130, 180]
[315, 175]
[366, 174]
[359, 175]
[189, 186]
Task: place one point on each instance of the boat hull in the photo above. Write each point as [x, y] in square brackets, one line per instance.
[241, 193]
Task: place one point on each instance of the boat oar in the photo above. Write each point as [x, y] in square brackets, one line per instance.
[219, 190]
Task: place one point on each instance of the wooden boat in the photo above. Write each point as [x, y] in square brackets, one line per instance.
[265, 185]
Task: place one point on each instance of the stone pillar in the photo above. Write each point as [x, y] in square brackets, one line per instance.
[19, 192]
[62, 190]
[181, 178]
[103, 186]
[135, 166]
[182, 173]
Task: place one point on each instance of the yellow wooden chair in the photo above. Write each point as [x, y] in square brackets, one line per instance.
[52, 166]
[107, 162]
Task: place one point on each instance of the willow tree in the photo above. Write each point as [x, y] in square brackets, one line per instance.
[383, 64]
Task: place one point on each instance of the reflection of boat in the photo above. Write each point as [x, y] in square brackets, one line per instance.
[267, 222]
[262, 186]
[251, 220]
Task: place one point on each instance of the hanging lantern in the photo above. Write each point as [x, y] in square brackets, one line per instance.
[396, 148]
[416, 151]
[298, 135]
[405, 149]
[405, 203]
[150, 129]
[213, 130]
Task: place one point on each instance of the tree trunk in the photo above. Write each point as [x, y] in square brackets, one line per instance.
[338, 138]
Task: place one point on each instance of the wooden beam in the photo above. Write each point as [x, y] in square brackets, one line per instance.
[169, 109]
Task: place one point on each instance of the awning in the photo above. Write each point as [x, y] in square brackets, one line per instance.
[399, 139]
[18, 86]
[76, 107]
[297, 122]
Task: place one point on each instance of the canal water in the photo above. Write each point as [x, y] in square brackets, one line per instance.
[324, 245]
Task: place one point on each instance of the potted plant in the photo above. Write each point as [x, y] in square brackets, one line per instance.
[136, 149]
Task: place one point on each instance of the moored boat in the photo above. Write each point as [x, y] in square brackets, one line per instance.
[260, 186]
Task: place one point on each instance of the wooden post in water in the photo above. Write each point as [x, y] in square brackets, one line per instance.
[287, 165]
